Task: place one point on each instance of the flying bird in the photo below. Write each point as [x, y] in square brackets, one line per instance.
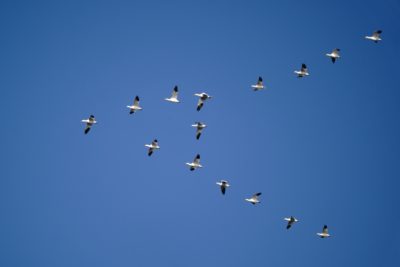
[376, 36]
[302, 72]
[290, 221]
[259, 85]
[153, 146]
[254, 199]
[89, 123]
[202, 97]
[174, 96]
[334, 54]
[195, 164]
[324, 232]
[135, 106]
[199, 128]
[223, 185]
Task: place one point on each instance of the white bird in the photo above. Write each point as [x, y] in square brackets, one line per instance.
[302, 72]
[199, 128]
[324, 232]
[202, 97]
[135, 106]
[89, 123]
[259, 84]
[290, 221]
[195, 164]
[334, 55]
[376, 36]
[174, 96]
[153, 146]
[254, 199]
[223, 184]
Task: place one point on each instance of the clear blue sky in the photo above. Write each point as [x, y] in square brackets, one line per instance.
[324, 149]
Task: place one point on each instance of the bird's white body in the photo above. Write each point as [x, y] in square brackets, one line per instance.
[205, 95]
[199, 128]
[194, 165]
[89, 122]
[301, 73]
[134, 108]
[173, 100]
[323, 235]
[333, 55]
[373, 38]
[199, 125]
[252, 200]
[223, 183]
[152, 146]
[290, 220]
[257, 86]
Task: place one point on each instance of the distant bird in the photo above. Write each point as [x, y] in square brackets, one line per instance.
[199, 126]
[334, 54]
[376, 36]
[259, 84]
[202, 97]
[153, 146]
[302, 72]
[290, 221]
[223, 185]
[324, 232]
[254, 199]
[135, 106]
[195, 164]
[89, 123]
[174, 96]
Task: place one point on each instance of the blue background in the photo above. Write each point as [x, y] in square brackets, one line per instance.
[324, 148]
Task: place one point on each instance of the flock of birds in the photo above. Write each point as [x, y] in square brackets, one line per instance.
[223, 184]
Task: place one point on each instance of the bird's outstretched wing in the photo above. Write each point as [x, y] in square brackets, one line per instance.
[136, 101]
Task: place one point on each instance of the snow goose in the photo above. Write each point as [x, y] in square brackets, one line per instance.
[174, 96]
[290, 221]
[334, 55]
[259, 85]
[153, 146]
[223, 184]
[199, 128]
[376, 36]
[202, 97]
[302, 72]
[324, 232]
[135, 106]
[89, 123]
[195, 164]
[254, 199]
